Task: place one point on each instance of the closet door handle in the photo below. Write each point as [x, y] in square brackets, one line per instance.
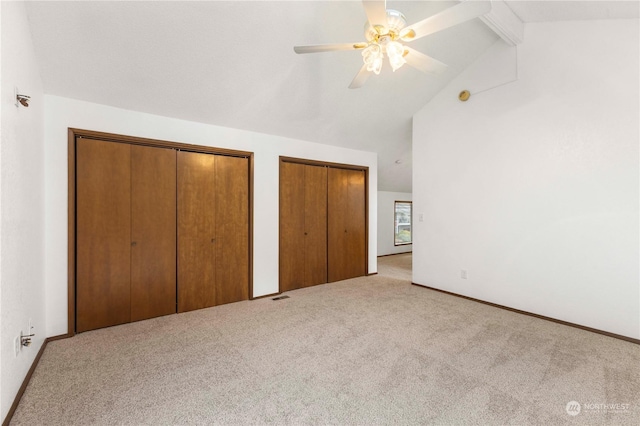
[133, 244]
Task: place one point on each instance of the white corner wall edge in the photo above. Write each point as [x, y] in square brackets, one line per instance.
[533, 187]
[2, 413]
[22, 203]
[62, 113]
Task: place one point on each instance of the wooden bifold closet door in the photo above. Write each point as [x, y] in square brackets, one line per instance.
[125, 226]
[153, 232]
[322, 224]
[303, 225]
[232, 229]
[196, 231]
[157, 231]
[213, 217]
[346, 224]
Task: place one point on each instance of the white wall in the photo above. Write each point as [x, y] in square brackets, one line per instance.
[533, 187]
[386, 210]
[61, 113]
[22, 203]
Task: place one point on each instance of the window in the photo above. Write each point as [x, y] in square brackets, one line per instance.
[402, 223]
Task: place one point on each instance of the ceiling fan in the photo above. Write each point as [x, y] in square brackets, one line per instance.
[386, 28]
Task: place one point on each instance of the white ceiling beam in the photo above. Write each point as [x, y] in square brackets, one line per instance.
[504, 22]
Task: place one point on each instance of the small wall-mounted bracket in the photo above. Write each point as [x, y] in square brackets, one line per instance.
[25, 340]
[20, 98]
[23, 100]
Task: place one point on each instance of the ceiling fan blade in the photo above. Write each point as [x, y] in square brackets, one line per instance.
[360, 78]
[423, 62]
[329, 47]
[376, 11]
[447, 18]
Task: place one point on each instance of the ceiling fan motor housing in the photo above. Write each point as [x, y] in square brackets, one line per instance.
[395, 23]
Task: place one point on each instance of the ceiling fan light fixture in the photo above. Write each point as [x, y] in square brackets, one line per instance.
[395, 52]
[386, 29]
[372, 57]
[376, 67]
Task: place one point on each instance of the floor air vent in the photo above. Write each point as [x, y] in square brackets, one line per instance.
[280, 297]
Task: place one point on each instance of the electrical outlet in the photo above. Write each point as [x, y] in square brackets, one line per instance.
[463, 274]
[16, 345]
[421, 217]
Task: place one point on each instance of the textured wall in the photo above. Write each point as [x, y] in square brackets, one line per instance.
[533, 187]
[386, 206]
[22, 205]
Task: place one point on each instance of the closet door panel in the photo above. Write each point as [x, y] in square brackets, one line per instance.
[196, 230]
[153, 232]
[292, 208]
[337, 227]
[315, 225]
[356, 224]
[103, 234]
[232, 229]
[347, 224]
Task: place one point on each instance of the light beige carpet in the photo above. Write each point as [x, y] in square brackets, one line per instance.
[366, 351]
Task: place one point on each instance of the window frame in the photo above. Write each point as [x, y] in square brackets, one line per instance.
[395, 223]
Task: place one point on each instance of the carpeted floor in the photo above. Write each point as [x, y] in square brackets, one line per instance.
[366, 351]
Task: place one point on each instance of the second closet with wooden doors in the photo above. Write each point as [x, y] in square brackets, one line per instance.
[158, 231]
[322, 223]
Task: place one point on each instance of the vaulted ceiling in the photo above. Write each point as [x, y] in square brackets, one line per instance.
[231, 63]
